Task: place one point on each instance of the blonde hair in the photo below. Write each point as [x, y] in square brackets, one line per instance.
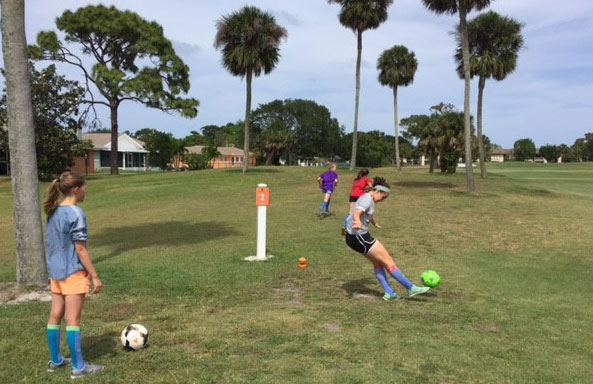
[64, 185]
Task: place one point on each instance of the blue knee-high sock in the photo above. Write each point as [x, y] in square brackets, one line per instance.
[382, 277]
[73, 337]
[346, 220]
[53, 342]
[399, 276]
[327, 205]
[323, 205]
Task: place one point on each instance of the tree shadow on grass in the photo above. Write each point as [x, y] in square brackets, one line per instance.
[256, 170]
[95, 347]
[361, 287]
[171, 233]
[424, 184]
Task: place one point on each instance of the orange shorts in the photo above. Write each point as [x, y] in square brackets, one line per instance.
[75, 284]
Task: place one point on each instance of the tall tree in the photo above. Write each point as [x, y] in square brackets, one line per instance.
[55, 103]
[359, 16]
[524, 149]
[120, 42]
[494, 43]
[462, 7]
[397, 67]
[30, 256]
[250, 43]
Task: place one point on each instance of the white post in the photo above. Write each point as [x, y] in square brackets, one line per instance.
[262, 200]
[261, 232]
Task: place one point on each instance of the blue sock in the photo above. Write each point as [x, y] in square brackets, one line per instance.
[73, 337]
[382, 277]
[53, 341]
[399, 276]
[324, 206]
[327, 206]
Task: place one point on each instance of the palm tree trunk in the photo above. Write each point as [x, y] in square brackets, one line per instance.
[114, 136]
[431, 160]
[481, 154]
[356, 101]
[30, 256]
[247, 116]
[395, 123]
[469, 172]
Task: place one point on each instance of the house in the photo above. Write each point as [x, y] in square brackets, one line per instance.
[228, 156]
[499, 155]
[131, 155]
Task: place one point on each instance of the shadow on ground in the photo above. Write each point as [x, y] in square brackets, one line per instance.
[256, 170]
[95, 347]
[361, 287]
[172, 233]
[424, 184]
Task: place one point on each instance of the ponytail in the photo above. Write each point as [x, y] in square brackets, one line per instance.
[51, 201]
[361, 173]
[64, 185]
[380, 181]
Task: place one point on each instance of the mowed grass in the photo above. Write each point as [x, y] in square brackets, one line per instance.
[514, 304]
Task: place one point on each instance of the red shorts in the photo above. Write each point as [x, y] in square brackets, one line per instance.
[75, 284]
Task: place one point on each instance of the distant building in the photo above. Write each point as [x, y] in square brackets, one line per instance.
[131, 155]
[499, 155]
[228, 156]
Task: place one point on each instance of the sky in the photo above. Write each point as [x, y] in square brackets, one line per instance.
[549, 98]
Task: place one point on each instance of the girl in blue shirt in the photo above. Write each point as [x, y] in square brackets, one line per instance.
[69, 266]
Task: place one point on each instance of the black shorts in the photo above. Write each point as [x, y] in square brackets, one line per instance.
[360, 243]
[353, 199]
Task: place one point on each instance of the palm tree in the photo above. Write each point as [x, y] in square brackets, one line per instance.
[462, 7]
[360, 15]
[397, 67]
[494, 43]
[30, 256]
[249, 40]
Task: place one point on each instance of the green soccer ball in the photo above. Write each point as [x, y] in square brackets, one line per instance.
[430, 278]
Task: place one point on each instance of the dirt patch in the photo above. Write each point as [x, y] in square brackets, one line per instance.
[492, 328]
[118, 312]
[331, 327]
[364, 296]
[13, 293]
[287, 294]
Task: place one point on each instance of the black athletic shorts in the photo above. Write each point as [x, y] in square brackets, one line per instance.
[353, 199]
[360, 243]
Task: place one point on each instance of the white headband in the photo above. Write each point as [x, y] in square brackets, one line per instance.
[382, 188]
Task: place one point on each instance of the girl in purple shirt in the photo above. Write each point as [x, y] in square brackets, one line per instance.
[327, 182]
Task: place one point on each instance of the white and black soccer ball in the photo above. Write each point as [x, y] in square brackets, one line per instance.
[134, 336]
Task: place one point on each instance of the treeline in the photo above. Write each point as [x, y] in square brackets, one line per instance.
[581, 150]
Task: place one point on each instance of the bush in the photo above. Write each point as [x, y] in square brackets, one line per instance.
[197, 161]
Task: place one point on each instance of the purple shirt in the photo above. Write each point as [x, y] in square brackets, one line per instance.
[328, 180]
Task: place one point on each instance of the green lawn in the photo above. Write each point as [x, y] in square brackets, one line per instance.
[514, 304]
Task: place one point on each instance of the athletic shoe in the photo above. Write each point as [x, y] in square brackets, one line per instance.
[88, 369]
[51, 366]
[416, 290]
[390, 297]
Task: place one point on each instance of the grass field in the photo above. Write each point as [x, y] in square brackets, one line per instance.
[514, 304]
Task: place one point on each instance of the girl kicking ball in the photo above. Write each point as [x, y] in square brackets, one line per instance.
[359, 239]
[69, 266]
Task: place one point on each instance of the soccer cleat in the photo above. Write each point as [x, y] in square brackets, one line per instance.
[88, 369]
[390, 297]
[416, 290]
[51, 366]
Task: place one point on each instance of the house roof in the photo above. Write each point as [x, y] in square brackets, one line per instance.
[225, 151]
[500, 151]
[125, 142]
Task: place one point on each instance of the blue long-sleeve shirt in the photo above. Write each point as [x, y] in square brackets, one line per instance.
[65, 227]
